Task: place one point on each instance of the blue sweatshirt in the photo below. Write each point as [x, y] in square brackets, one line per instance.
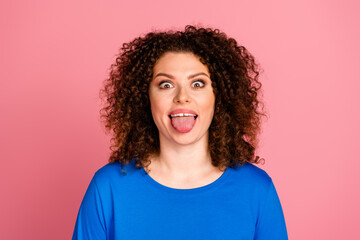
[241, 204]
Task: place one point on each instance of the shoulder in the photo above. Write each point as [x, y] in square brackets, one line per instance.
[249, 170]
[251, 175]
[114, 173]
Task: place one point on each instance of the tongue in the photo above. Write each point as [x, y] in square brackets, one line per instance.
[183, 124]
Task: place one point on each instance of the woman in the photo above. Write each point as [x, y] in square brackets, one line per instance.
[184, 111]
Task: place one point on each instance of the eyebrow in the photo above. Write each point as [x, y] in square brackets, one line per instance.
[172, 77]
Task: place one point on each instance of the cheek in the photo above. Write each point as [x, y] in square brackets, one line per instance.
[209, 103]
[158, 107]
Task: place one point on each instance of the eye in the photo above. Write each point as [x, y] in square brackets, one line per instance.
[199, 84]
[164, 84]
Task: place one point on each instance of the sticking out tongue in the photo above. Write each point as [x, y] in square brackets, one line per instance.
[183, 124]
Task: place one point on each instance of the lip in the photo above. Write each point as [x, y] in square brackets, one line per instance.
[183, 110]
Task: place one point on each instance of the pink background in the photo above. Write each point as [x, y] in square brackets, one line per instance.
[55, 55]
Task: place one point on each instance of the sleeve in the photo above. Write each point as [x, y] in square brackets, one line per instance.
[271, 222]
[90, 222]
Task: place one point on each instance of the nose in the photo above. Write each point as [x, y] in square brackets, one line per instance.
[182, 95]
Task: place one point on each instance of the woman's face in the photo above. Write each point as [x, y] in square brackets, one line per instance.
[182, 98]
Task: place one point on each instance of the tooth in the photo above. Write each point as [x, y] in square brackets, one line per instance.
[183, 115]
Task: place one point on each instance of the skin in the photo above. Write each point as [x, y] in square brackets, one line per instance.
[184, 160]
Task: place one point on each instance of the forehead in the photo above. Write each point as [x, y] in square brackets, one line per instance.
[178, 62]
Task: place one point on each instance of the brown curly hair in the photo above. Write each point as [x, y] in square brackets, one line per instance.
[234, 75]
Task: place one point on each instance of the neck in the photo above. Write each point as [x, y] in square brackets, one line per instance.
[183, 160]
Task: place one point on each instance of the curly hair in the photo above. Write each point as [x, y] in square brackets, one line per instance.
[234, 74]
